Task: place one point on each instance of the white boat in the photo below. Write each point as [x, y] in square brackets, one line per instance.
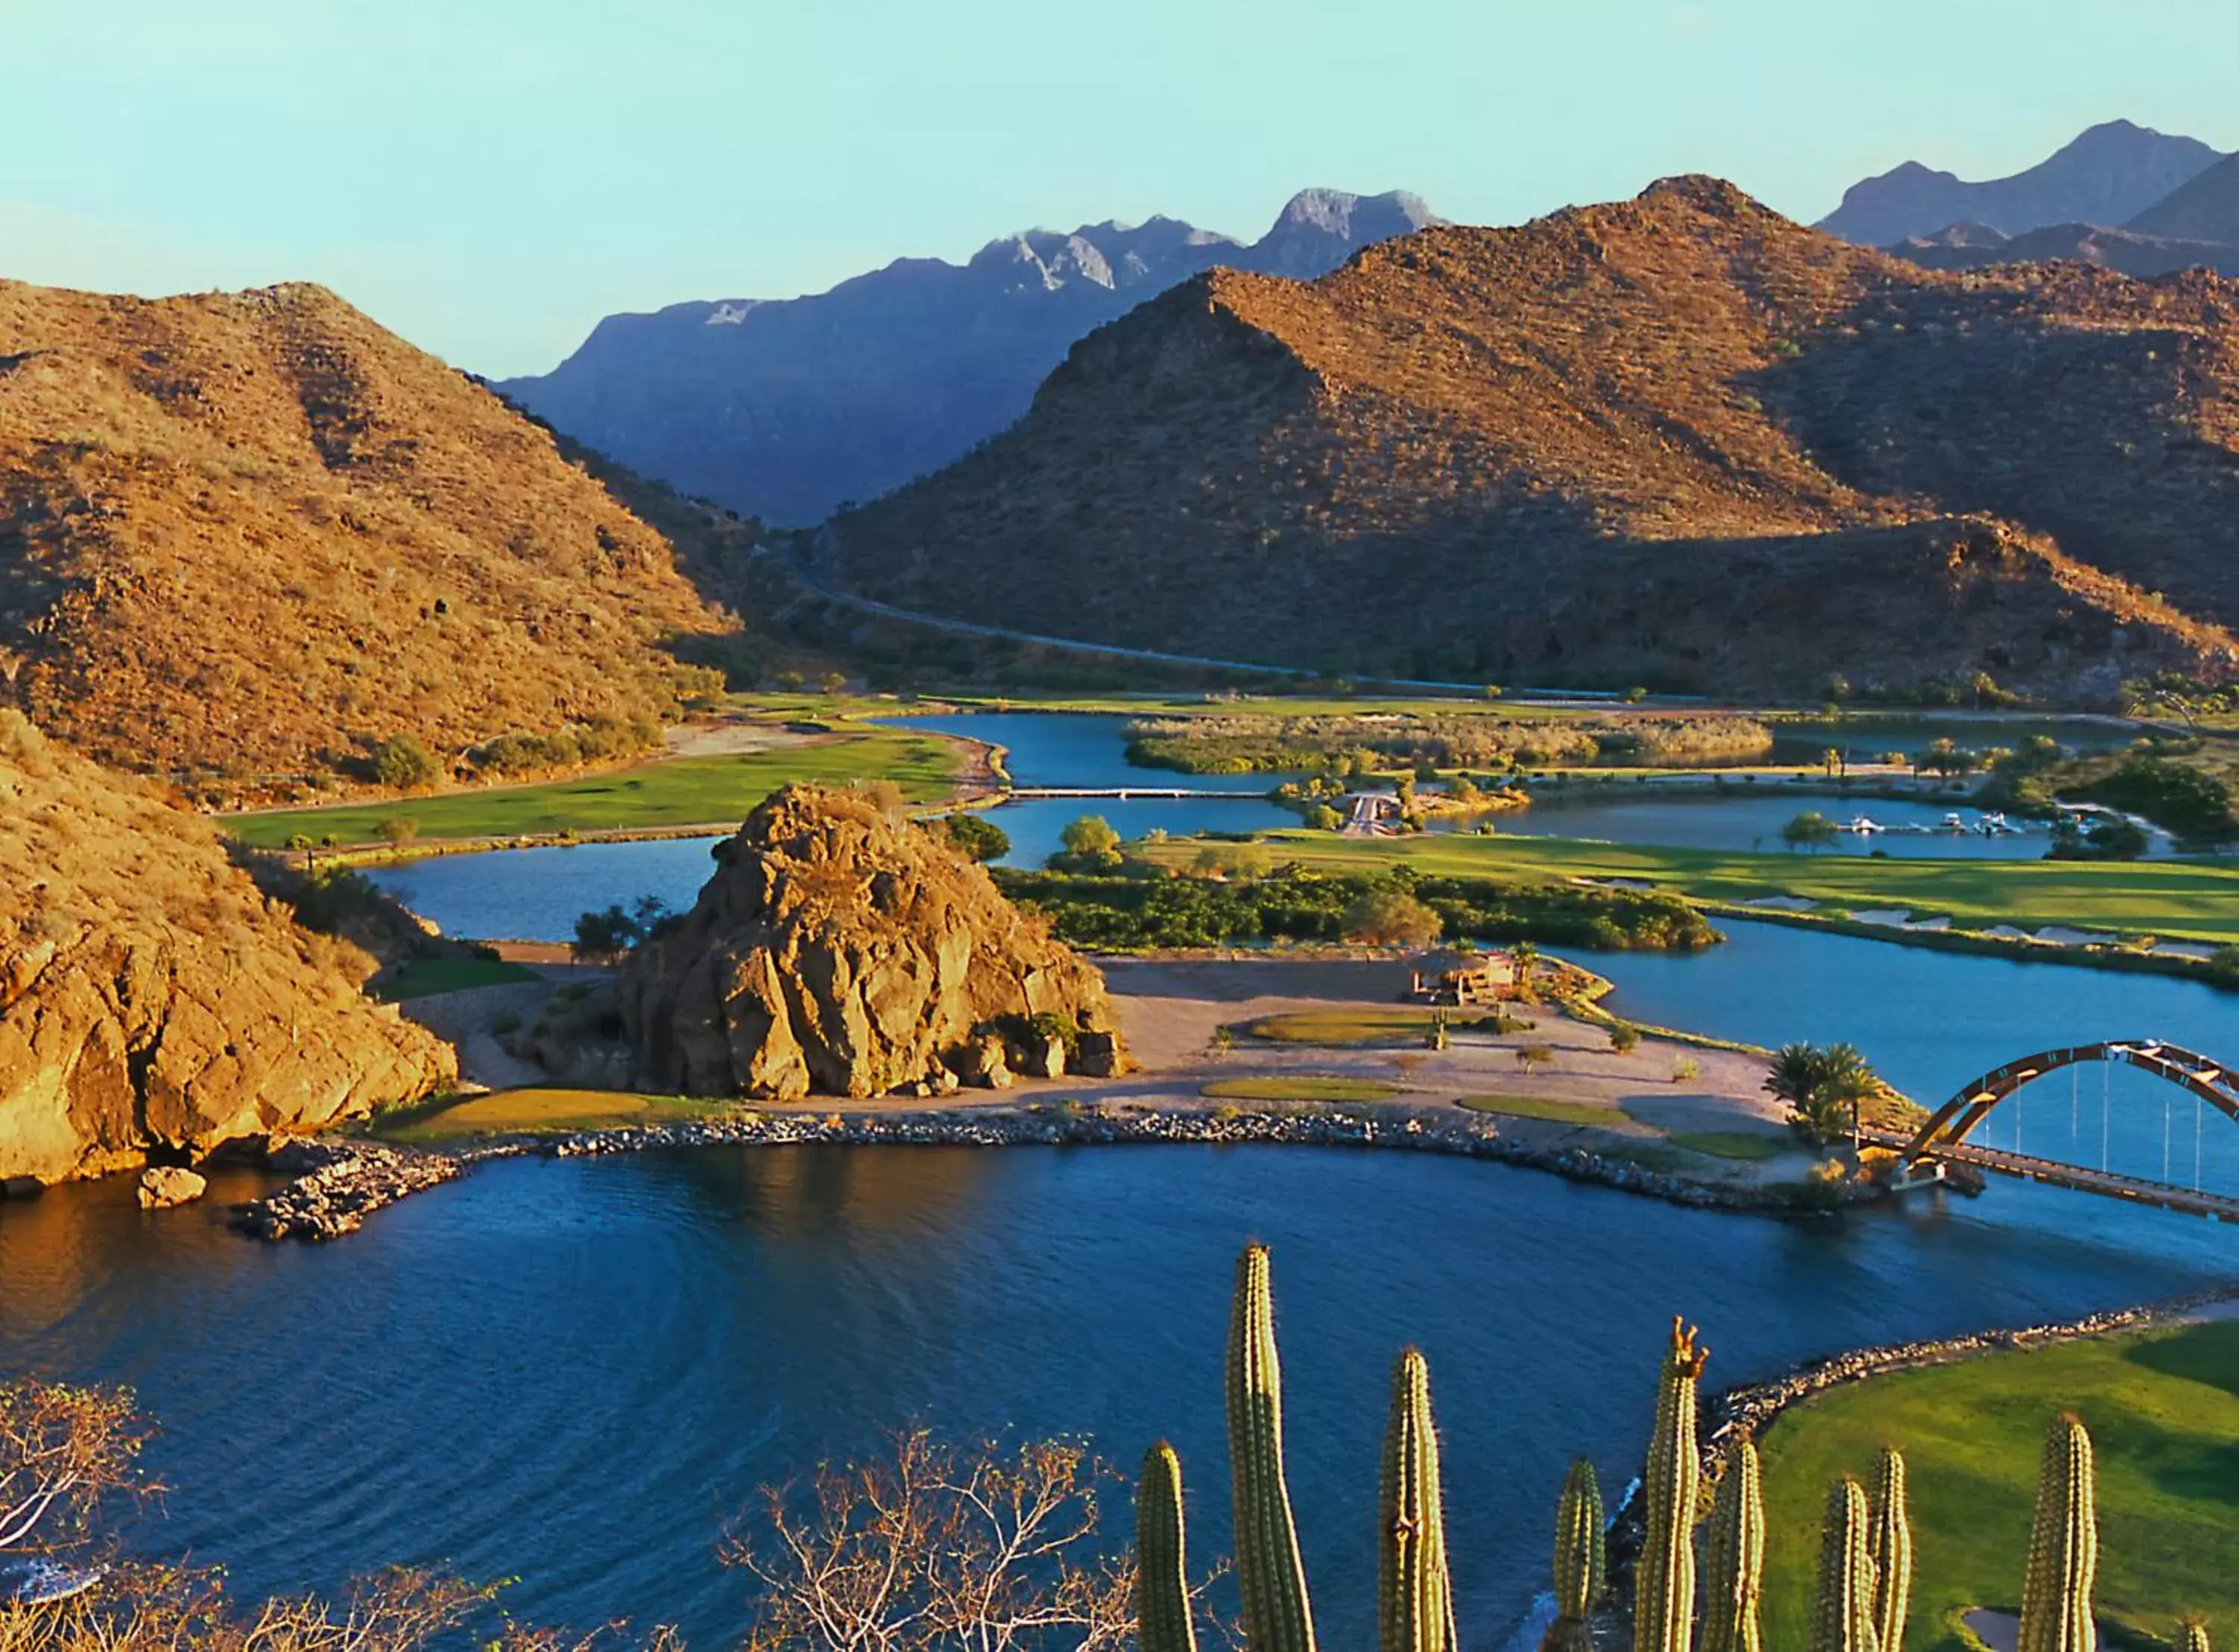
[1953, 823]
[1865, 827]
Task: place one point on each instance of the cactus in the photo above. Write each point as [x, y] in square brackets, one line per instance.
[1581, 1560]
[1843, 1607]
[2064, 1547]
[1733, 1564]
[1889, 1542]
[2193, 1637]
[1271, 1577]
[1663, 1601]
[1162, 1596]
[1415, 1607]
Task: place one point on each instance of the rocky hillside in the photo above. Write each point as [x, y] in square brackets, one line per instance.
[2205, 209]
[151, 1000]
[785, 409]
[2106, 176]
[1677, 440]
[840, 950]
[245, 538]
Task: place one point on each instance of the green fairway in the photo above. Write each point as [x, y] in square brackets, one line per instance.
[1364, 1024]
[2174, 898]
[1750, 1147]
[1558, 1112]
[2163, 1412]
[1301, 1089]
[539, 1111]
[685, 790]
[425, 976]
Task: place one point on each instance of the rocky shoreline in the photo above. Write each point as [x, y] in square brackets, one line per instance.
[344, 1180]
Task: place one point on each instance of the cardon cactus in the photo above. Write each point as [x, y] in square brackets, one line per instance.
[1415, 1607]
[2194, 1636]
[1581, 1560]
[2064, 1547]
[1162, 1596]
[1663, 1599]
[1733, 1560]
[1842, 1605]
[1270, 1578]
[1889, 1542]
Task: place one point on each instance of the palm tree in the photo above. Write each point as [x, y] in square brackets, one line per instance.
[1795, 1074]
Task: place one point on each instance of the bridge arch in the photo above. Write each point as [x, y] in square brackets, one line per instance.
[1951, 1123]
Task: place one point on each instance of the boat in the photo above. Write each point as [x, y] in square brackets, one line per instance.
[1865, 827]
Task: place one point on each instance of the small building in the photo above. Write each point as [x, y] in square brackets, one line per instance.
[1464, 978]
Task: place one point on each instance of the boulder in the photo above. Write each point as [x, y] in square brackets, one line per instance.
[1045, 1057]
[840, 950]
[986, 1064]
[165, 1185]
[151, 998]
[1102, 1055]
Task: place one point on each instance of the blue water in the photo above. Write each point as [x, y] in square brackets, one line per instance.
[1932, 1021]
[537, 894]
[576, 1371]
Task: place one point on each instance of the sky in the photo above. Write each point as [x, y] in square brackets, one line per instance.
[488, 177]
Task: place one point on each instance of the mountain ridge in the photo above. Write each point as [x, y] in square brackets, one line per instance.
[1555, 452]
[786, 408]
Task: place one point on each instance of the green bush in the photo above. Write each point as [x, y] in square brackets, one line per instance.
[402, 764]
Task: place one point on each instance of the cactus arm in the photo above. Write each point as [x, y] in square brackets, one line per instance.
[1890, 1544]
[2064, 1547]
[1415, 1595]
[1271, 1576]
[1162, 1596]
[1733, 1564]
[1663, 1601]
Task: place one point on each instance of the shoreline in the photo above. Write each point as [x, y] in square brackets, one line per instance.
[344, 1179]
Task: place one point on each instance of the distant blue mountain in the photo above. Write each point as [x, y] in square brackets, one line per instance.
[784, 409]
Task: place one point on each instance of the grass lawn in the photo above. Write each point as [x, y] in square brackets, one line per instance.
[2173, 897]
[2163, 1412]
[1750, 1147]
[425, 976]
[538, 1112]
[1557, 1112]
[686, 791]
[1301, 1089]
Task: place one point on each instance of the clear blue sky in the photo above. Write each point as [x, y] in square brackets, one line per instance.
[489, 177]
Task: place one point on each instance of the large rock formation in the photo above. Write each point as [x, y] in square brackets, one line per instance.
[151, 1000]
[838, 949]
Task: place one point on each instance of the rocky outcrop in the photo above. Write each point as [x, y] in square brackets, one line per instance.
[165, 1185]
[151, 998]
[840, 950]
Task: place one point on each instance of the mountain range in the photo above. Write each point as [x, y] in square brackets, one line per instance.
[1678, 441]
[786, 410]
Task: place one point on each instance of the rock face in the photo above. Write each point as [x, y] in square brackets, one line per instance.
[165, 1185]
[783, 409]
[151, 997]
[840, 950]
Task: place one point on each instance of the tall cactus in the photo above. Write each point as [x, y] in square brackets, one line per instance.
[1271, 1577]
[1891, 1543]
[1842, 1606]
[1663, 1601]
[2194, 1636]
[1733, 1563]
[1415, 1605]
[1162, 1596]
[2064, 1547]
[1581, 1560]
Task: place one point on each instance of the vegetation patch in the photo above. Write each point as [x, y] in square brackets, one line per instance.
[1298, 1089]
[539, 1111]
[1750, 1147]
[426, 977]
[1366, 1024]
[2163, 1412]
[1557, 1112]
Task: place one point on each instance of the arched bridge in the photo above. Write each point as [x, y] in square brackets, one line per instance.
[1944, 1136]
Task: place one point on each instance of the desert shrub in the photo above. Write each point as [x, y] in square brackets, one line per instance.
[974, 836]
[402, 764]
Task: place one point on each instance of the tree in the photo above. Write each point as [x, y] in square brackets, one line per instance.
[974, 836]
[1388, 916]
[1624, 1037]
[1825, 1088]
[1092, 834]
[402, 764]
[1809, 830]
[1325, 819]
[1532, 1056]
[930, 1546]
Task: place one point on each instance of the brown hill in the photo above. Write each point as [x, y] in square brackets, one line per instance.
[247, 537]
[151, 998]
[1677, 440]
[838, 949]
